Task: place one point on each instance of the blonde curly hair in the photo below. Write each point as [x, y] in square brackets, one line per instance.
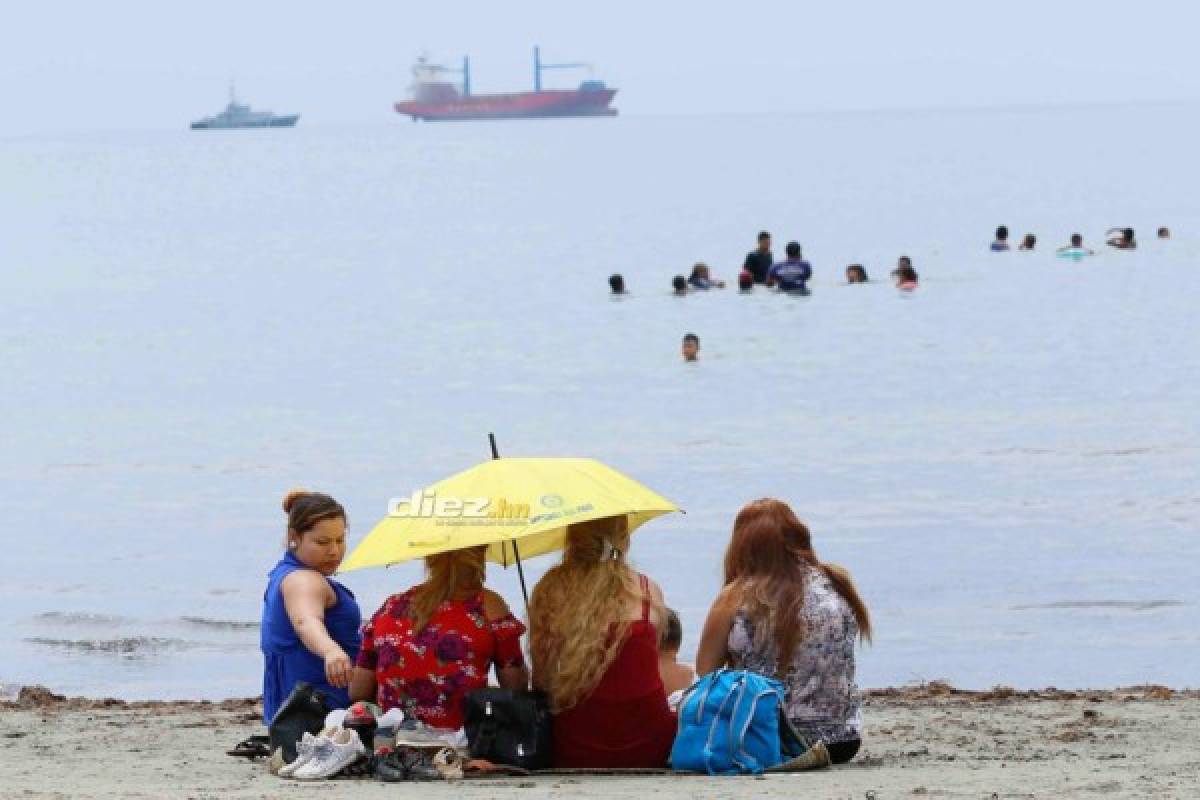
[446, 574]
[577, 616]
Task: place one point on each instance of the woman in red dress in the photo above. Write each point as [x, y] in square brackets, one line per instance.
[594, 635]
[427, 648]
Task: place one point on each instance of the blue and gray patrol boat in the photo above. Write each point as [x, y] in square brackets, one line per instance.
[237, 115]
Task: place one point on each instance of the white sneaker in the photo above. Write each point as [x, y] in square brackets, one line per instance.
[330, 756]
[304, 752]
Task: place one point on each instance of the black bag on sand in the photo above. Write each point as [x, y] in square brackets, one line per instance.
[510, 727]
[303, 711]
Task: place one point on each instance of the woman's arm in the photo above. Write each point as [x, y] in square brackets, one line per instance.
[362, 685]
[509, 677]
[714, 640]
[513, 677]
[306, 595]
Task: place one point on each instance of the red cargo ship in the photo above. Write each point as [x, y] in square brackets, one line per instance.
[436, 98]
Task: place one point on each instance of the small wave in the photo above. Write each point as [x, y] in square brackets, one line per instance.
[221, 624]
[1123, 605]
[1128, 451]
[1021, 451]
[70, 465]
[79, 618]
[126, 647]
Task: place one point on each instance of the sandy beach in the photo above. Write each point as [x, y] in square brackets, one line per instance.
[925, 741]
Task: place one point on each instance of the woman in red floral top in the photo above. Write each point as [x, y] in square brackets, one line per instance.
[427, 648]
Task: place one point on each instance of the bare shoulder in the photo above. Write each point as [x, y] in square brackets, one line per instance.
[836, 570]
[656, 592]
[728, 600]
[306, 586]
[494, 606]
[305, 581]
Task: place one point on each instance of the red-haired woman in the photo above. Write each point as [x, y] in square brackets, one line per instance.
[784, 614]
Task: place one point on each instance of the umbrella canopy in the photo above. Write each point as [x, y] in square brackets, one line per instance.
[517, 507]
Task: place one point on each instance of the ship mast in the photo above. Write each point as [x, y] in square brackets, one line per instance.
[539, 67]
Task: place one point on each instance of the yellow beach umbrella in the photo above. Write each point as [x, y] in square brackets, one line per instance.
[517, 507]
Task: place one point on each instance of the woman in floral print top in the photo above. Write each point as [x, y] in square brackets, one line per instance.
[427, 648]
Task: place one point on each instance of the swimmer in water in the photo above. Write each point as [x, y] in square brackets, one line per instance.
[616, 283]
[691, 347]
[902, 262]
[1121, 238]
[1001, 243]
[746, 281]
[702, 279]
[1029, 242]
[855, 273]
[1076, 245]
[1164, 233]
[679, 285]
[906, 278]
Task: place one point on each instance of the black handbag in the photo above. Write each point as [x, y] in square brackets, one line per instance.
[509, 726]
[303, 711]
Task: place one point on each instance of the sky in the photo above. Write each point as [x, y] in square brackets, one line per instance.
[137, 65]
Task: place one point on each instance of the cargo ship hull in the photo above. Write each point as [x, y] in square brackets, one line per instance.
[521, 105]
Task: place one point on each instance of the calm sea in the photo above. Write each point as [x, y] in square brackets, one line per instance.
[1006, 460]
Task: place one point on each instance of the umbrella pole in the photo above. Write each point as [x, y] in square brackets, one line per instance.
[516, 551]
[521, 573]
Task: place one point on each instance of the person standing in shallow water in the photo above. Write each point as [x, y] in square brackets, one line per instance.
[1076, 245]
[759, 261]
[701, 278]
[906, 278]
[785, 614]
[310, 622]
[792, 274]
[1000, 244]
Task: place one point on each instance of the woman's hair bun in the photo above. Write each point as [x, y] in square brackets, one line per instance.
[289, 499]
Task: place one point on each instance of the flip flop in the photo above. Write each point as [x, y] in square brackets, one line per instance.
[252, 747]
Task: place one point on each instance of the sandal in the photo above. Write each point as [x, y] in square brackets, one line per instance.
[449, 764]
[405, 764]
[252, 747]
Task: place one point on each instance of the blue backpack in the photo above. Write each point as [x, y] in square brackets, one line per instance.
[732, 722]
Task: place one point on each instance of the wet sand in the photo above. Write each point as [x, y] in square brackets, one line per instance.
[924, 741]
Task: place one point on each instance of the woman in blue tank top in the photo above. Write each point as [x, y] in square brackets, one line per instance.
[310, 622]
